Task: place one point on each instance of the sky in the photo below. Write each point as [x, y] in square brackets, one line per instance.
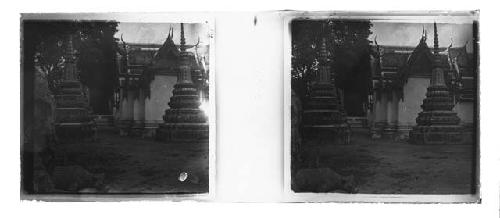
[409, 34]
[388, 32]
[157, 32]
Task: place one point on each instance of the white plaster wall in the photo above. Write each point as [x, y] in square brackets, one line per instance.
[394, 104]
[414, 94]
[161, 91]
[139, 107]
[127, 107]
[380, 108]
[122, 111]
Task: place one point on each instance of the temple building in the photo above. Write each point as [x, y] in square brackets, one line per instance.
[401, 77]
[147, 75]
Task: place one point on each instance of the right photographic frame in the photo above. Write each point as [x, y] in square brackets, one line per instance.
[381, 107]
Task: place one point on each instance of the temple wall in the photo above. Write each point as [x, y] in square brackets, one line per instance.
[139, 105]
[409, 107]
[380, 108]
[127, 107]
[395, 109]
[370, 115]
[389, 108]
[379, 114]
[465, 111]
[161, 91]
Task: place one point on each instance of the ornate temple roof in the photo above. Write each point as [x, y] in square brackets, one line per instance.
[166, 59]
[159, 57]
[420, 62]
[404, 59]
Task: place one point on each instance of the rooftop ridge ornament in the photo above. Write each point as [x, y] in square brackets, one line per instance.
[424, 34]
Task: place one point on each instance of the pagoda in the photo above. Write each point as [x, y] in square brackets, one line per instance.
[184, 121]
[437, 123]
[324, 116]
[72, 117]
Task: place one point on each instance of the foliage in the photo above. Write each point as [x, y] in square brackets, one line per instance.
[349, 54]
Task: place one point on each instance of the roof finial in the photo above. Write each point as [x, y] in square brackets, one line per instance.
[424, 34]
[183, 40]
[436, 40]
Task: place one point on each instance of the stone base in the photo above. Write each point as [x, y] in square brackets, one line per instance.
[133, 128]
[74, 132]
[357, 122]
[182, 132]
[437, 135]
[376, 130]
[389, 131]
[335, 134]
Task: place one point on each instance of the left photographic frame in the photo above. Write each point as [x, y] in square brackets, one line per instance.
[117, 106]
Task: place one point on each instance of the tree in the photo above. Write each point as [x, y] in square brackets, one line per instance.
[349, 49]
[97, 63]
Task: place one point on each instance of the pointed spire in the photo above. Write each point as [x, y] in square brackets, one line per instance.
[323, 52]
[436, 40]
[183, 40]
[69, 59]
[69, 47]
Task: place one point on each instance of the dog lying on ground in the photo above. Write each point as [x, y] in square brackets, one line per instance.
[322, 180]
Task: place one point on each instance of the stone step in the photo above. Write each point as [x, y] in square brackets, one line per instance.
[104, 120]
[357, 122]
[70, 101]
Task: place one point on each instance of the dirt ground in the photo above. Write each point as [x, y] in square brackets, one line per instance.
[384, 166]
[139, 165]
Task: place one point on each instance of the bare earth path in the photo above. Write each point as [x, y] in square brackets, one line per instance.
[389, 167]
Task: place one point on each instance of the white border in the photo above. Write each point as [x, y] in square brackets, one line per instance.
[421, 17]
[10, 154]
[173, 17]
